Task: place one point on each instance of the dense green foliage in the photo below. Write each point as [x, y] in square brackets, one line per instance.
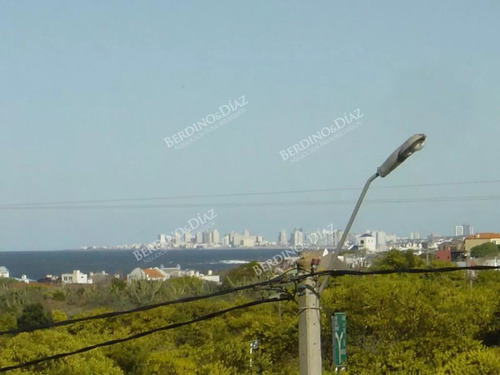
[397, 260]
[402, 324]
[242, 275]
[33, 315]
[488, 249]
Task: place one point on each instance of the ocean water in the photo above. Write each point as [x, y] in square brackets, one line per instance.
[37, 264]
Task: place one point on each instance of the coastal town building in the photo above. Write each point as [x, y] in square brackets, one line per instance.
[367, 242]
[455, 248]
[172, 271]
[414, 236]
[443, 255]
[297, 237]
[76, 277]
[4, 272]
[464, 230]
[243, 240]
[199, 237]
[24, 279]
[162, 239]
[151, 274]
[215, 237]
[282, 238]
[479, 239]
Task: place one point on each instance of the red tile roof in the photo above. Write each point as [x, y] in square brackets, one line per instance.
[153, 273]
[483, 236]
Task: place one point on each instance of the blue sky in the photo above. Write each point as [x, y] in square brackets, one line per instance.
[88, 91]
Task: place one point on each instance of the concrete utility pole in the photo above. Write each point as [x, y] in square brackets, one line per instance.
[309, 325]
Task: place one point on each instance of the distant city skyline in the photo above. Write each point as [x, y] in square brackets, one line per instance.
[327, 237]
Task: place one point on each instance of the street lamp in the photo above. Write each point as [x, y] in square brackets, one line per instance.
[309, 308]
[403, 152]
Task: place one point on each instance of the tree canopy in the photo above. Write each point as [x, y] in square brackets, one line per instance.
[398, 260]
[401, 323]
[485, 250]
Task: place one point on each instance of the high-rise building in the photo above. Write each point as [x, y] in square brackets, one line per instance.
[187, 236]
[206, 237]
[245, 239]
[177, 239]
[162, 238]
[215, 236]
[464, 230]
[282, 238]
[297, 238]
[468, 230]
[380, 238]
[199, 237]
[414, 236]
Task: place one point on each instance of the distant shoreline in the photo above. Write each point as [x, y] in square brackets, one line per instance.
[169, 249]
[200, 248]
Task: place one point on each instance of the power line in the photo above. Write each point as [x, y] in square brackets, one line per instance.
[284, 192]
[271, 282]
[401, 271]
[141, 334]
[258, 204]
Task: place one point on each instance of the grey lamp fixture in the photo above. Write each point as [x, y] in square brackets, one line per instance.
[412, 145]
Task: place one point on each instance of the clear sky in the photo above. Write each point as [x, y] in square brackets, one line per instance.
[89, 90]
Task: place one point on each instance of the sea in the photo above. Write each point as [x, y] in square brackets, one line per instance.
[37, 264]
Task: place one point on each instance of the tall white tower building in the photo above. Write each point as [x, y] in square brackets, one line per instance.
[282, 238]
[199, 237]
[187, 237]
[464, 230]
[297, 237]
[215, 236]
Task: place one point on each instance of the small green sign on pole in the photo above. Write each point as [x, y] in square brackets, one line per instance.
[339, 339]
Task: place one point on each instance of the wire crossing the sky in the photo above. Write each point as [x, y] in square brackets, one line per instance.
[102, 203]
[310, 203]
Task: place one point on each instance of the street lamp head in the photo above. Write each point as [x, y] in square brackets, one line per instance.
[413, 144]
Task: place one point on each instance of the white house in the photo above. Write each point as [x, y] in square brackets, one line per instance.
[24, 279]
[210, 277]
[172, 271]
[367, 242]
[4, 272]
[76, 277]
